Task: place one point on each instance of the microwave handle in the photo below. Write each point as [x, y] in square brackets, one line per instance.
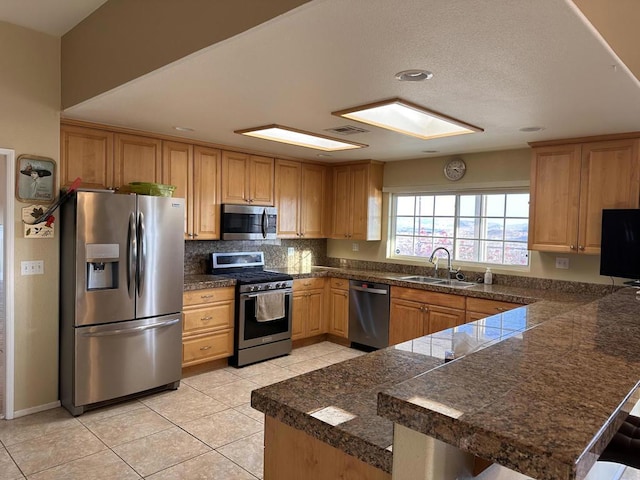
[265, 224]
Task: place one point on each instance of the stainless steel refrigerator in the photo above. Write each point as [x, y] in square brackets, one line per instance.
[121, 271]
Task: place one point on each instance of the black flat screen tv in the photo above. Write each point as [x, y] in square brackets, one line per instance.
[620, 245]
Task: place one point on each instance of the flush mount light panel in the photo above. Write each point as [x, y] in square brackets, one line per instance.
[408, 118]
[291, 136]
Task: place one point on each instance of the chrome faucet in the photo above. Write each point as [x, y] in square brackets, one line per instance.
[449, 270]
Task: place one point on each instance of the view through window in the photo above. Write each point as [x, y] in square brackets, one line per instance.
[487, 228]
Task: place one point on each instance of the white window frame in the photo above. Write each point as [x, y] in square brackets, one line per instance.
[437, 192]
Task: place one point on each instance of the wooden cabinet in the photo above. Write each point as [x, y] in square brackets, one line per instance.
[136, 159]
[570, 186]
[300, 191]
[207, 325]
[479, 308]
[357, 202]
[195, 171]
[308, 314]
[415, 312]
[86, 153]
[247, 179]
[338, 321]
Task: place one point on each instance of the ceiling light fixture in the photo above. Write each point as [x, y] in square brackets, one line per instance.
[531, 129]
[183, 129]
[292, 136]
[408, 118]
[414, 75]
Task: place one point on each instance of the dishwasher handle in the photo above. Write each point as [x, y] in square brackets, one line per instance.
[377, 291]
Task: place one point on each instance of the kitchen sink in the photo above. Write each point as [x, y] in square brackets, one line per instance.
[420, 279]
[438, 281]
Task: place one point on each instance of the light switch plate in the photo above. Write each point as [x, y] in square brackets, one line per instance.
[35, 267]
[562, 262]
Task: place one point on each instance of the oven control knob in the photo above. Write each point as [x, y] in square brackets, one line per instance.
[281, 285]
[253, 288]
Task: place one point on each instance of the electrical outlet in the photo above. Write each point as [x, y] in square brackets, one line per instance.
[562, 262]
[35, 267]
[355, 247]
[291, 251]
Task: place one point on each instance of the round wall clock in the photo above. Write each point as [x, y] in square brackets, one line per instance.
[455, 169]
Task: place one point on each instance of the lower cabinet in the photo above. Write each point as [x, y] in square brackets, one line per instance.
[207, 325]
[338, 307]
[308, 314]
[414, 313]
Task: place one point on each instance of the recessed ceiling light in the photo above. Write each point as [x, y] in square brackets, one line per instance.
[414, 75]
[292, 136]
[183, 129]
[531, 129]
[408, 118]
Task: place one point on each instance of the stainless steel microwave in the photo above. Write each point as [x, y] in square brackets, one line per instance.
[244, 222]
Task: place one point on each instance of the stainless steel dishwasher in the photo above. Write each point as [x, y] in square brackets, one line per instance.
[369, 314]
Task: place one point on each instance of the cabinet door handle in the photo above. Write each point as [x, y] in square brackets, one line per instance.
[194, 234]
[206, 319]
[501, 309]
[572, 247]
[581, 247]
[207, 347]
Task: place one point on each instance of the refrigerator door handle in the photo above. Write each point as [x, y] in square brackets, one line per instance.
[122, 331]
[132, 252]
[142, 254]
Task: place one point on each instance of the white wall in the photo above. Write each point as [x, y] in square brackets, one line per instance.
[30, 123]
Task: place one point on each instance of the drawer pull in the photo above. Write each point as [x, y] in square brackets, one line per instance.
[206, 319]
[501, 309]
[206, 296]
[207, 347]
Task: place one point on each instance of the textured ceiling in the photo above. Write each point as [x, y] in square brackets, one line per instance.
[497, 64]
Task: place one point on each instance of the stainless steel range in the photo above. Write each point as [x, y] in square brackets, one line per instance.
[263, 307]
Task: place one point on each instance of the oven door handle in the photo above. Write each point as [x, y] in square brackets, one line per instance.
[254, 295]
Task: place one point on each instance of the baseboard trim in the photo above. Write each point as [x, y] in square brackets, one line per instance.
[39, 408]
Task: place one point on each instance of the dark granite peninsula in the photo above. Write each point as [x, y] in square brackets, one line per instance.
[544, 402]
[539, 390]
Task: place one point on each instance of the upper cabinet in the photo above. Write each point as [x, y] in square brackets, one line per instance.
[136, 159]
[195, 171]
[86, 153]
[570, 186]
[300, 191]
[103, 159]
[247, 179]
[357, 201]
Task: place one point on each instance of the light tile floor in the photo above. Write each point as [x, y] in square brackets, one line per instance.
[204, 430]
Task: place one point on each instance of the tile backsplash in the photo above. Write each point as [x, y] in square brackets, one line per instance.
[277, 253]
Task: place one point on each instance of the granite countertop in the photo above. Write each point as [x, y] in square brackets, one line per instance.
[309, 402]
[545, 401]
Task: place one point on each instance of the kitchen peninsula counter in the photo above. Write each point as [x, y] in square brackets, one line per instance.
[524, 346]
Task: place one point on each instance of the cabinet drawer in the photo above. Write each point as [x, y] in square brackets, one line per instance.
[308, 283]
[340, 283]
[491, 307]
[212, 317]
[431, 298]
[208, 295]
[207, 347]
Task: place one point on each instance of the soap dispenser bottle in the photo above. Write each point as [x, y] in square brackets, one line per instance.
[488, 277]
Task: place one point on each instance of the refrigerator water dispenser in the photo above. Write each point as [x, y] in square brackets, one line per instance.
[102, 265]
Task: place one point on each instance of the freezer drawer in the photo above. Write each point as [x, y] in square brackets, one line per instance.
[126, 357]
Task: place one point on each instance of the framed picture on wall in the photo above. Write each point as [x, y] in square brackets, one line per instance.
[35, 179]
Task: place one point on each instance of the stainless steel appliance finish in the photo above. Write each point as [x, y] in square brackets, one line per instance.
[256, 340]
[369, 314]
[121, 296]
[244, 222]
